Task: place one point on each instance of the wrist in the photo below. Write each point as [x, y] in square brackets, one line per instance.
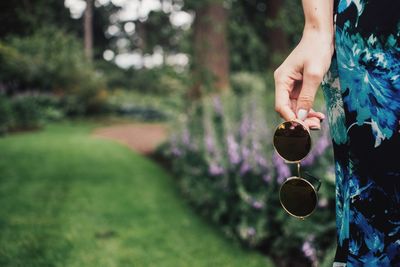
[325, 32]
[322, 36]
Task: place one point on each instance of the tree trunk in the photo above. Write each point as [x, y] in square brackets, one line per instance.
[277, 39]
[88, 30]
[211, 53]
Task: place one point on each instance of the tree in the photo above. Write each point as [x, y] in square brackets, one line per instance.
[88, 30]
[277, 38]
[247, 36]
[25, 16]
[211, 59]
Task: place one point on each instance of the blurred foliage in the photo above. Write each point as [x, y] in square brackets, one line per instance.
[101, 21]
[221, 151]
[247, 36]
[248, 28]
[145, 107]
[290, 19]
[6, 115]
[163, 80]
[28, 111]
[51, 61]
[160, 32]
[246, 82]
[41, 51]
[25, 17]
[249, 32]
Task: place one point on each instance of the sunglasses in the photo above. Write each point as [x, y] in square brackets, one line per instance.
[297, 195]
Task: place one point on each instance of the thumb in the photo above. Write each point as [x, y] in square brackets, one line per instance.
[312, 78]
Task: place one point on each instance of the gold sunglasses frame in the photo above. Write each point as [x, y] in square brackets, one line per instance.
[298, 171]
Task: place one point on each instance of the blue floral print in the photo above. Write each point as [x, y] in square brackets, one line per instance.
[362, 96]
[370, 73]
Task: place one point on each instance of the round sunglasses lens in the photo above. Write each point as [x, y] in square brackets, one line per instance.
[292, 141]
[298, 197]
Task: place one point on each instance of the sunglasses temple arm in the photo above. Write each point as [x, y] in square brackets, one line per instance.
[315, 179]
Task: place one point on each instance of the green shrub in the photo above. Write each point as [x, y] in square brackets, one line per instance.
[246, 82]
[51, 61]
[161, 81]
[157, 81]
[222, 152]
[6, 115]
[50, 106]
[27, 113]
[146, 107]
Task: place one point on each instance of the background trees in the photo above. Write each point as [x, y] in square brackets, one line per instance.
[204, 66]
[216, 37]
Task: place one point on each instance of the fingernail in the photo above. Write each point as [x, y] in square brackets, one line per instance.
[315, 128]
[302, 114]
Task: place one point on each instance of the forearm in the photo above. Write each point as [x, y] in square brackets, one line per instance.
[319, 16]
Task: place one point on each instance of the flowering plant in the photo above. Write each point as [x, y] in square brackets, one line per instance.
[221, 151]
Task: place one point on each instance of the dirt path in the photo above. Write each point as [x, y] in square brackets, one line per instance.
[141, 137]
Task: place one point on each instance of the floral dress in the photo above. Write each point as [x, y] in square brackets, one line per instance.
[362, 96]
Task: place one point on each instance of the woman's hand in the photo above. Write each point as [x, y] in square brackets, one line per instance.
[298, 78]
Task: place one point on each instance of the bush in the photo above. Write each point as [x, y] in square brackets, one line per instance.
[51, 61]
[49, 106]
[6, 115]
[27, 113]
[161, 81]
[246, 82]
[222, 152]
[157, 81]
[144, 106]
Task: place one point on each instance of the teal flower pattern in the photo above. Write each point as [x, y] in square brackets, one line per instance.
[362, 95]
[334, 104]
[344, 4]
[369, 73]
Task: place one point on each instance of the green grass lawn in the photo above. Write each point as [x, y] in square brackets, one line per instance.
[68, 199]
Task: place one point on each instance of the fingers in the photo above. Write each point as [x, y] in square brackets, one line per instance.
[313, 123]
[285, 112]
[282, 98]
[312, 78]
[319, 115]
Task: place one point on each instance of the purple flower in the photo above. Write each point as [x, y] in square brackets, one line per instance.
[186, 137]
[267, 178]
[233, 148]
[321, 145]
[323, 202]
[217, 105]
[309, 250]
[244, 126]
[245, 153]
[251, 231]
[244, 168]
[176, 152]
[256, 145]
[261, 161]
[210, 144]
[257, 204]
[215, 170]
[281, 167]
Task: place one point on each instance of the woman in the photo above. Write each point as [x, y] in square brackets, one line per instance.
[353, 48]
